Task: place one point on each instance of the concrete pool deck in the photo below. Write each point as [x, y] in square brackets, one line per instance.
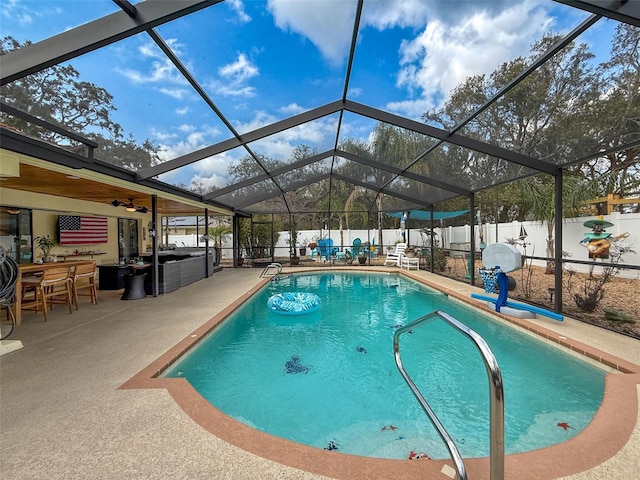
[63, 414]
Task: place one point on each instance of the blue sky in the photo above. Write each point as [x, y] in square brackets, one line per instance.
[262, 61]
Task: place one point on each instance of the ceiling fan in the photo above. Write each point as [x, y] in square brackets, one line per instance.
[129, 207]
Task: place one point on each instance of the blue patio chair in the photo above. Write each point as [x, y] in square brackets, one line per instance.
[356, 247]
[325, 245]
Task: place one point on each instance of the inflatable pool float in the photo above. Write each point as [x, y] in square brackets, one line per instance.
[293, 303]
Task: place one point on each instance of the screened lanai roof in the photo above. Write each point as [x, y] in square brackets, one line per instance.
[263, 105]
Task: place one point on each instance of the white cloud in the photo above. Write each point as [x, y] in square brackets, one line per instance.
[406, 13]
[458, 41]
[291, 109]
[238, 7]
[354, 92]
[177, 93]
[234, 76]
[214, 166]
[185, 139]
[162, 137]
[318, 133]
[182, 111]
[231, 91]
[443, 55]
[260, 119]
[411, 108]
[15, 11]
[239, 71]
[210, 182]
[310, 133]
[160, 69]
[328, 25]
[210, 172]
[186, 128]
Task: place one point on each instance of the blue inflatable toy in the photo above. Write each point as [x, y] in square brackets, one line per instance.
[293, 303]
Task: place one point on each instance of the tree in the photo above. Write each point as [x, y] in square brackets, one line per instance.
[539, 192]
[617, 116]
[390, 145]
[218, 232]
[57, 96]
[548, 115]
[256, 239]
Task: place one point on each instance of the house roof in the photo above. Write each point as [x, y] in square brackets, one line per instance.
[417, 181]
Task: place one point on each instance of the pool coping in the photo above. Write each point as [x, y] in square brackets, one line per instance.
[605, 435]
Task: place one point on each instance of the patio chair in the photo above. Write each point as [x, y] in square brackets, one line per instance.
[325, 245]
[356, 247]
[53, 286]
[394, 258]
[84, 278]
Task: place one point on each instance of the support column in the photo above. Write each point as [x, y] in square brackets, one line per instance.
[207, 270]
[558, 241]
[154, 247]
[472, 248]
[235, 226]
[431, 252]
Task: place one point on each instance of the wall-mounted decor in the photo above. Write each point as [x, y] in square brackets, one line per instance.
[74, 230]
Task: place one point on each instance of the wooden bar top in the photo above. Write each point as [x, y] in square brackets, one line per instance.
[41, 267]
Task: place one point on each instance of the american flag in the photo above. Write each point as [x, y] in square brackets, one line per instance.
[82, 230]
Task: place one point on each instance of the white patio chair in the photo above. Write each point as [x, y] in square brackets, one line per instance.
[394, 258]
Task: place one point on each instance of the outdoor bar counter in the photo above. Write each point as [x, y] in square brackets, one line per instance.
[176, 268]
[180, 267]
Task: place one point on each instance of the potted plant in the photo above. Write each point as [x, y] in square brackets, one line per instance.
[45, 244]
[362, 258]
[303, 247]
[313, 243]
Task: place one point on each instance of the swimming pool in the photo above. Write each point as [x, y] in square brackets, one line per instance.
[329, 380]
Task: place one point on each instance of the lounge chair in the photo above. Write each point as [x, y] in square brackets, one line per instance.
[394, 258]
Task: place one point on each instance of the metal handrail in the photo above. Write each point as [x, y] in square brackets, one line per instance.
[267, 270]
[496, 418]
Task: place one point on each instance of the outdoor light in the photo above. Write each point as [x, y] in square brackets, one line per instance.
[129, 206]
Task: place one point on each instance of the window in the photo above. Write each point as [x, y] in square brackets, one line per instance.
[15, 233]
[127, 239]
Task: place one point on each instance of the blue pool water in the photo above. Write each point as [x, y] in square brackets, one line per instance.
[329, 379]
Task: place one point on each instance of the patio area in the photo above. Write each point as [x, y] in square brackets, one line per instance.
[63, 415]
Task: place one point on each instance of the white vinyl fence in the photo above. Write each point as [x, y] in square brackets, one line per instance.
[459, 238]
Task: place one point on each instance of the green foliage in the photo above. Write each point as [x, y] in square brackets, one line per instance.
[618, 316]
[45, 244]
[56, 95]
[265, 235]
[292, 241]
[218, 232]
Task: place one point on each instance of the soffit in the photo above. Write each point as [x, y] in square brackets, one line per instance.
[43, 177]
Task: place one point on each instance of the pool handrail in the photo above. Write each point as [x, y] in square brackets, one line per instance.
[267, 272]
[496, 418]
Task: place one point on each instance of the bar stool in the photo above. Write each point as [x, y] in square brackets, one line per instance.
[84, 278]
[54, 285]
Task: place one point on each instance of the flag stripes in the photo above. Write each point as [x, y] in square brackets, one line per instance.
[74, 230]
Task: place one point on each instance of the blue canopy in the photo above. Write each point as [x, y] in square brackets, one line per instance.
[424, 215]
